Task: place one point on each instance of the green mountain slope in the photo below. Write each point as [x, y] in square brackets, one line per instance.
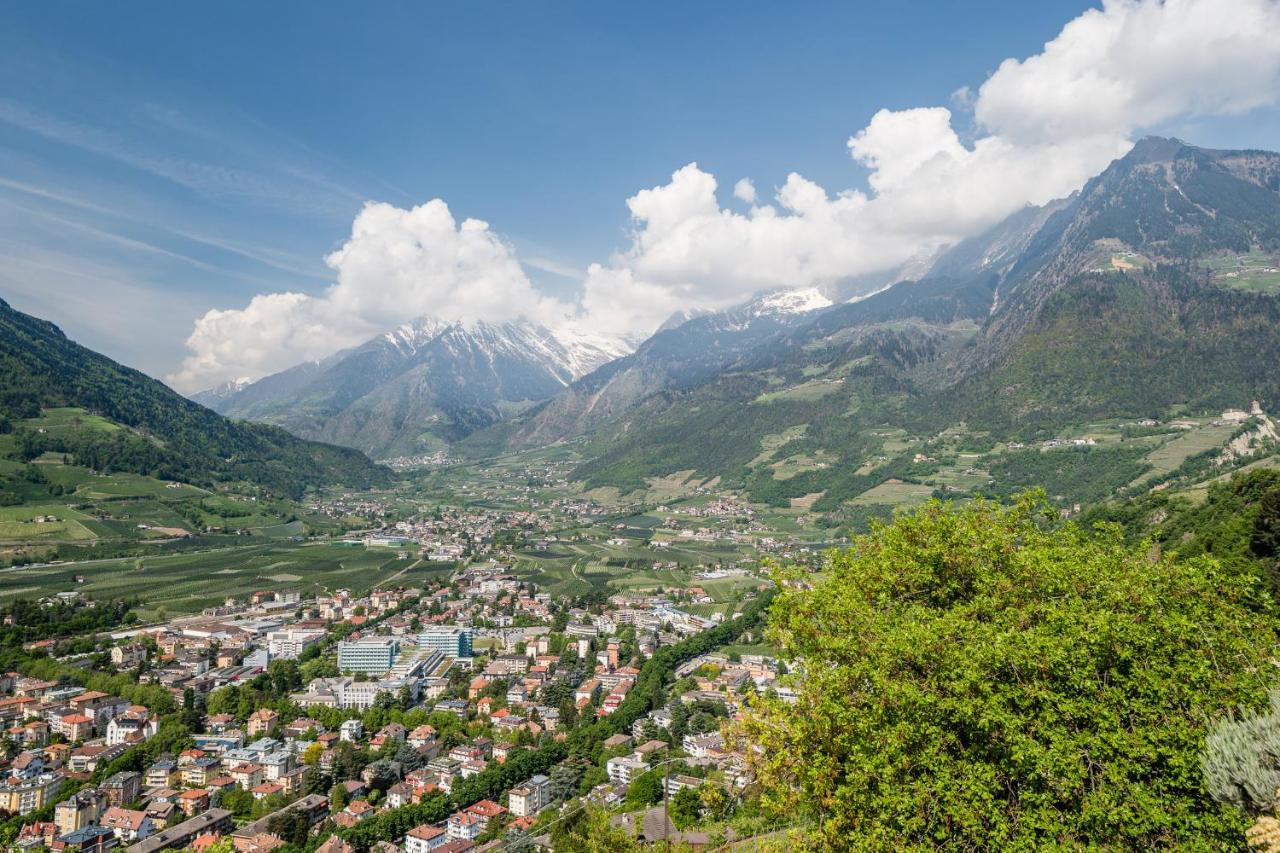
[1152, 294]
[167, 435]
[1237, 521]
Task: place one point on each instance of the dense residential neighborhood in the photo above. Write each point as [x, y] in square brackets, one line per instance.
[280, 719]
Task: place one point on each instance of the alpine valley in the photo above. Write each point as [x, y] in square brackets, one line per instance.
[1148, 302]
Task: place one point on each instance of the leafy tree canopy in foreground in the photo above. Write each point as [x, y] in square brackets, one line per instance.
[978, 677]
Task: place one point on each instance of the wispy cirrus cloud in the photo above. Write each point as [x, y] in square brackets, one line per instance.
[264, 255]
[216, 180]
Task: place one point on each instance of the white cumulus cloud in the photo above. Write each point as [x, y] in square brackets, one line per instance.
[396, 265]
[1045, 124]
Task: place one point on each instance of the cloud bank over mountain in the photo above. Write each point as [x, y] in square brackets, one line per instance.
[1035, 130]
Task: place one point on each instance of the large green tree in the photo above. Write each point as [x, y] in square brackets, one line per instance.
[983, 677]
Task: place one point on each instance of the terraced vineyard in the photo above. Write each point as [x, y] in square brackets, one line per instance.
[188, 582]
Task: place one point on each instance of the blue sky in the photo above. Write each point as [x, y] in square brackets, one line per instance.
[158, 160]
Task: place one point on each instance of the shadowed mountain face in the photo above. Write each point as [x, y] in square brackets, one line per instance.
[680, 355]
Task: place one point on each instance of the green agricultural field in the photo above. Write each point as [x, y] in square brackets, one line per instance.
[665, 489]
[188, 582]
[894, 493]
[1172, 453]
[68, 420]
[751, 649]
[562, 577]
[1254, 271]
[785, 469]
[17, 524]
[69, 477]
[135, 486]
[771, 442]
[728, 589]
[814, 389]
[957, 477]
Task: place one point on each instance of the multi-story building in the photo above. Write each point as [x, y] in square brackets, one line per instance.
[128, 825]
[247, 776]
[290, 643]
[128, 656]
[263, 722]
[212, 821]
[370, 655]
[193, 801]
[162, 773]
[122, 788]
[530, 798]
[464, 826]
[624, 768]
[346, 692]
[450, 640]
[89, 839]
[74, 727]
[131, 727]
[19, 796]
[81, 809]
[200, 771]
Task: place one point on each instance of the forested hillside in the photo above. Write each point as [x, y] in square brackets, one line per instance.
[166, 435]
[1237, 522]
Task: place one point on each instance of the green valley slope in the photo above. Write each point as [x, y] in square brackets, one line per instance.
[165, 435]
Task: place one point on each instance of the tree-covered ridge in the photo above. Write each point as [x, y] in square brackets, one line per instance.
[1237, 523]
[1128, 344]
[168, 437]
[979, 677]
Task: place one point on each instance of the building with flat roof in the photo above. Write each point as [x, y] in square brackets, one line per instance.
[290, 643]
[370, 655]
[450, 640]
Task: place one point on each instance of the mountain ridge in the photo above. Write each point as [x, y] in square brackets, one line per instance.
[1110, 303]
[166, 434]
[422, 384]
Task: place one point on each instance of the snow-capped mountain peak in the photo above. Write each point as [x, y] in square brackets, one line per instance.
[224, 391]
[411, 336]
[442, 379]
[790, 302]
[682, 316]
[586, 350]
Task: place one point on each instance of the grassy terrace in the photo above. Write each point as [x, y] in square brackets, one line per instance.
[1253, 271]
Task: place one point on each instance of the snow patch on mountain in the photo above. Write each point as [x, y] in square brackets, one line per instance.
[411, 337]
[790, 302]
[221, 392]
[569, 351]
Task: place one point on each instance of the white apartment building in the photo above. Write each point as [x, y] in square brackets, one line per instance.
[290, 643]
